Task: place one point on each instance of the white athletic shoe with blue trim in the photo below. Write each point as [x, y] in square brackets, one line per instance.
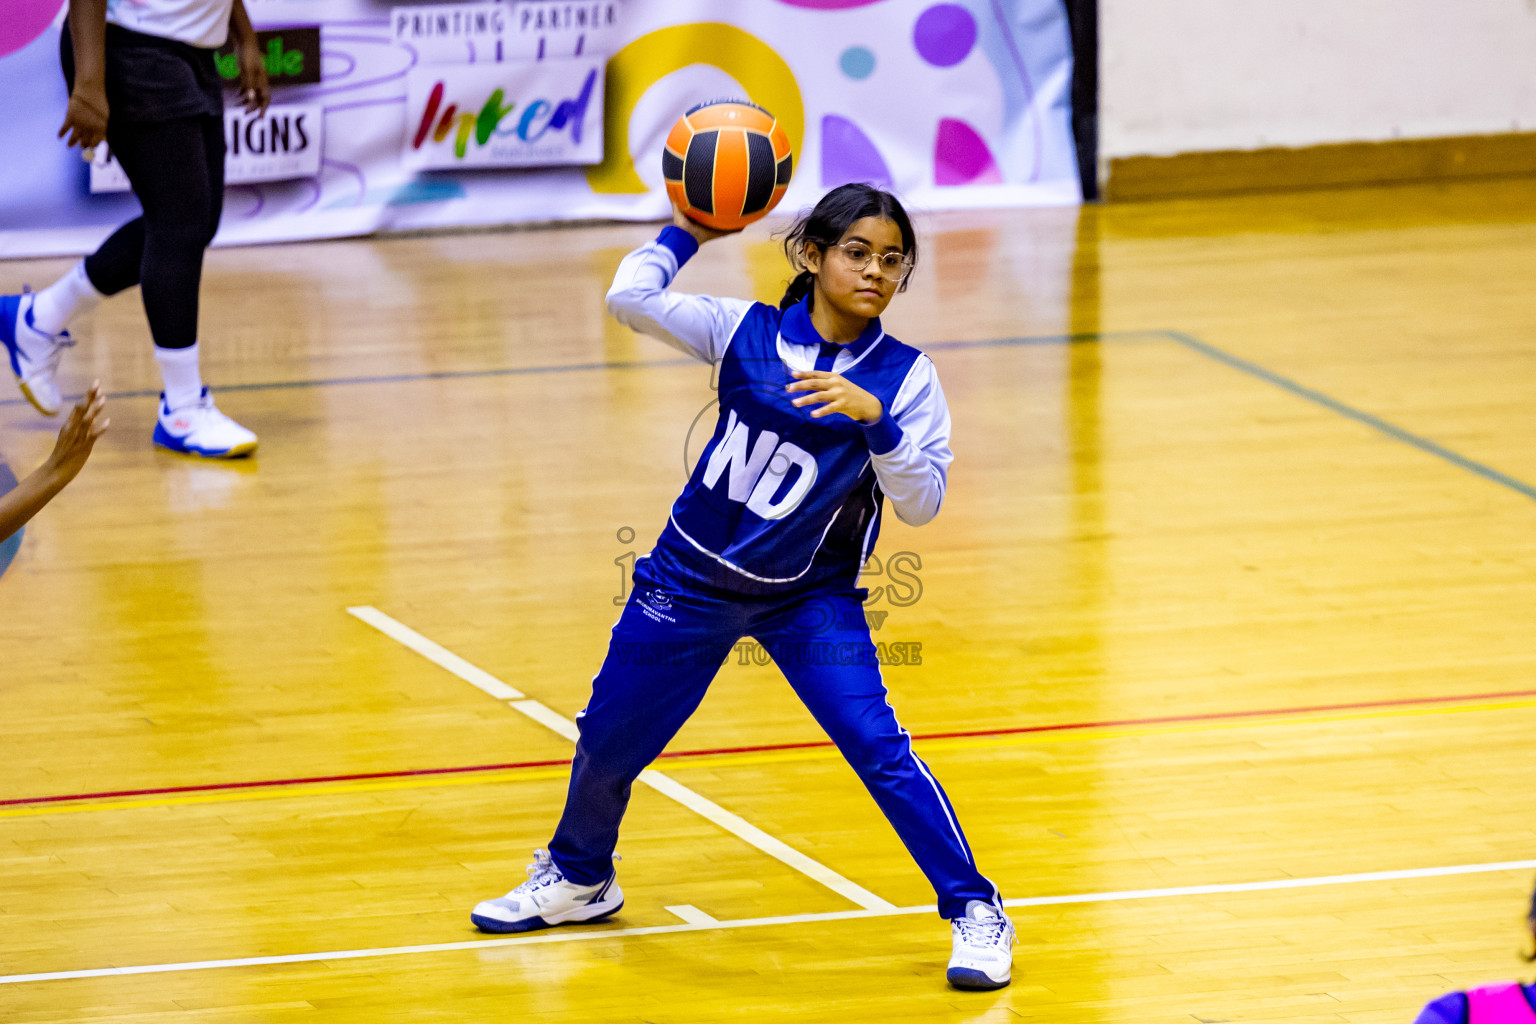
[34, 356]
[201, 429]
[983, 952]
[546, 900]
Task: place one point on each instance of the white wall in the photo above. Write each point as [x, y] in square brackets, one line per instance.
[1187, 75]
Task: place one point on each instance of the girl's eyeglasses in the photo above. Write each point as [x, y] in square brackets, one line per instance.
[893, 266]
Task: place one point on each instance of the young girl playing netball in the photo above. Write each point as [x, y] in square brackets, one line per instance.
[822, 416]
[141, 76]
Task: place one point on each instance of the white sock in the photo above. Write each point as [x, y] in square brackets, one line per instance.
[183, 382]
[73, 293]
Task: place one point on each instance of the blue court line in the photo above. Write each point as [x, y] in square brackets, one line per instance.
[1391, 430]
[1178, 337]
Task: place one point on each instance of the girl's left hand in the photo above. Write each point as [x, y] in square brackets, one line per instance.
[839, 394]
[255, 90]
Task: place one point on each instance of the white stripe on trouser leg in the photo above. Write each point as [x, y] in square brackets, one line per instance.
[938, 791]
[954, 826]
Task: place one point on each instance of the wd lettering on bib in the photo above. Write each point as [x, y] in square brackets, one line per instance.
[756, 478]
[779, 499]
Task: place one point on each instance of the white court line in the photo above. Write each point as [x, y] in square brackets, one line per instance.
[548, 717]
[692, 914]
[475, 677]
[749, 832]
[597, 934]
[662, 784]
[1279, 883]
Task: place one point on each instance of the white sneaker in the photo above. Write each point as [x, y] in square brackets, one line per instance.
[547, 899]
[200, 429]
[34, 355]
[983, 953]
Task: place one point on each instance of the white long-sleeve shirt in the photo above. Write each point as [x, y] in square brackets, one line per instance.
[909, 445]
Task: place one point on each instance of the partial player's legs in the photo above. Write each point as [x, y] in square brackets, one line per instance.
[666, 648]
[34, 327]
[823, 647]
[176, 168]
[33, 351]
[824, 650]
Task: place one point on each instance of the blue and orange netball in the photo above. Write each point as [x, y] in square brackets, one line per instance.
[727, 163]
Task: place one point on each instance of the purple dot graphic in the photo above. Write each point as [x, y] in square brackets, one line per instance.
[847, 154]
[944, 34]
[24, 21]
[961, 156]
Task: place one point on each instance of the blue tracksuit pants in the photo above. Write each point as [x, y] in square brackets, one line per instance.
[666, 649]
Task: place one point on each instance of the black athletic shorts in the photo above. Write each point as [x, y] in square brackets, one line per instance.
[153, 79]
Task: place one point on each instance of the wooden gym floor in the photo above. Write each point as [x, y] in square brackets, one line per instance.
[1235, 584]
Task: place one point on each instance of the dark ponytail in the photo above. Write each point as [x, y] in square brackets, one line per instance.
[798, 289]
[826, 224]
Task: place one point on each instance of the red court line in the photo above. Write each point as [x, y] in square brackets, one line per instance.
[1212, 716]
[207, 787]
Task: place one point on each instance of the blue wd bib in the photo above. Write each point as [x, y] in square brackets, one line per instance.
[778, 501]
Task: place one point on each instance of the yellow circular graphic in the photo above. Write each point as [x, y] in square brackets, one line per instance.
[761, 71]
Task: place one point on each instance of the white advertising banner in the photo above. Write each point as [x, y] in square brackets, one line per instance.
[458, 33]
[279, 145]
[515, 114]
[950, 103]
[451, 33]
[558, 28]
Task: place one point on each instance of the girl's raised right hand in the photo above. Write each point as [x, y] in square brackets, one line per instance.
[700, 233]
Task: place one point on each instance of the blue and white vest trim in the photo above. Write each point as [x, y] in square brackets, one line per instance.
[780, 502]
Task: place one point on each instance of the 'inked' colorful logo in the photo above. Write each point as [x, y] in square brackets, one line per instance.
[538, 118]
